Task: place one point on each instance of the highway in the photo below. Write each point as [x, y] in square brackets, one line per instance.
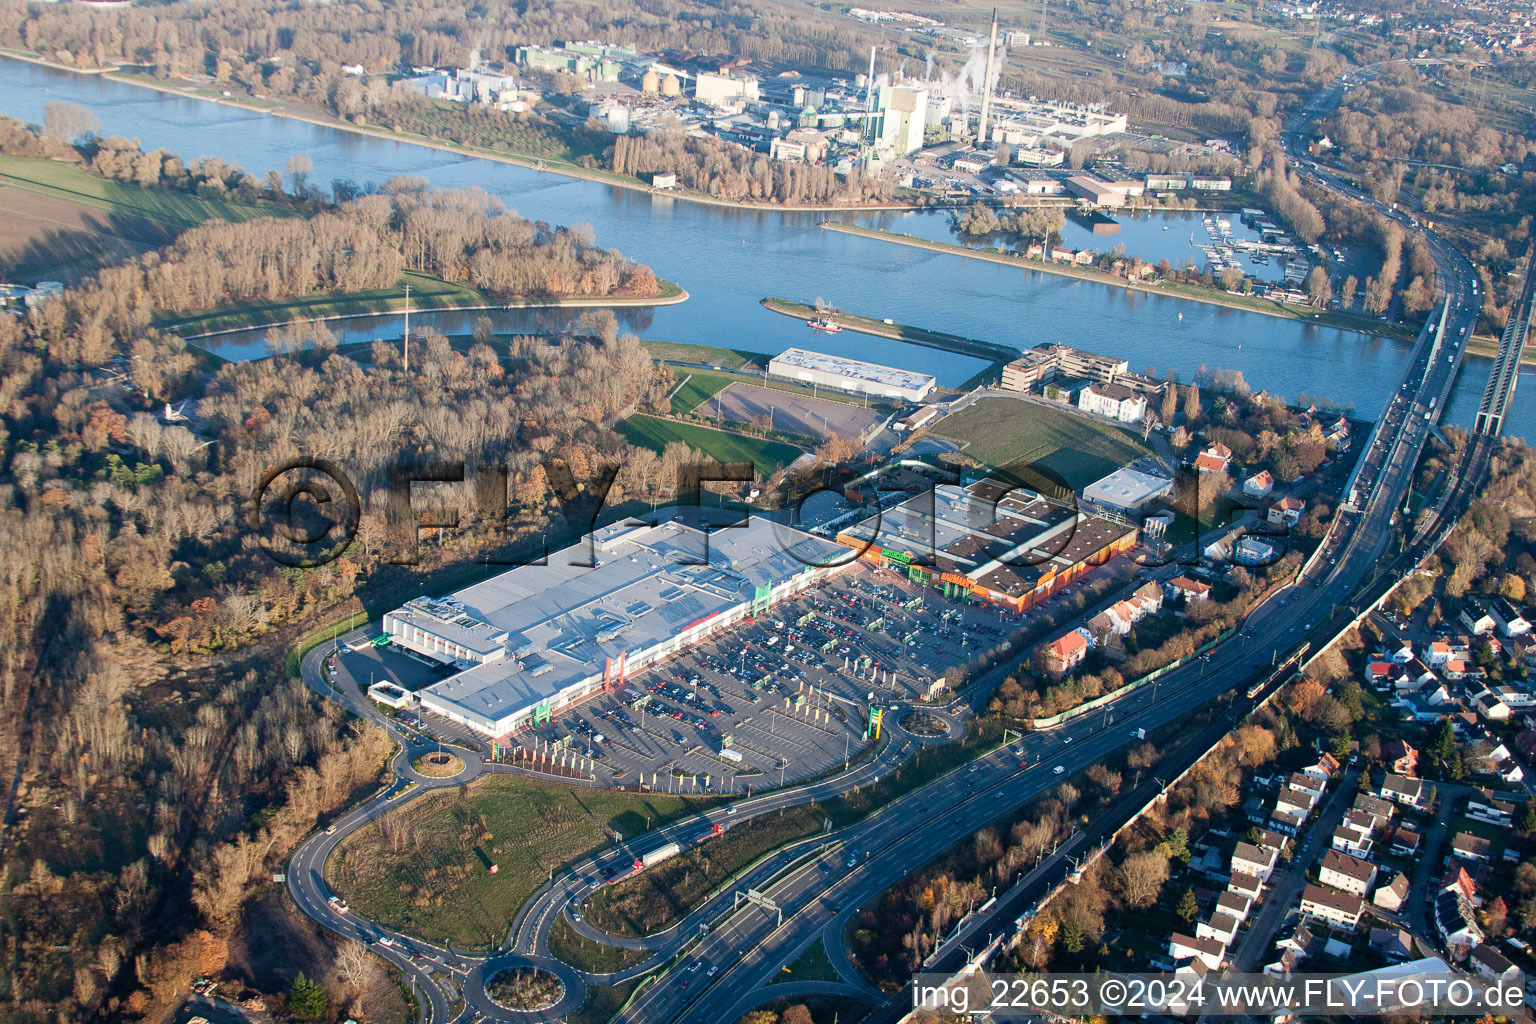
[722, 973]
[746, 954]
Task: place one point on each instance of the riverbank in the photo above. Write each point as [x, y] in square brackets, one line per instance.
[310, 115]
[427, 294]
[1243, 303]
[1487, 347]
[987, 350]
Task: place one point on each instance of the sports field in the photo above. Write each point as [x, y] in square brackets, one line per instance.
[1007, 431]
[789, 413]
[723, 446]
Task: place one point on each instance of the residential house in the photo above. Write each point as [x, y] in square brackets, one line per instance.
[1403, 791]
[1190, 590]
[1115, 401]
[1337, 435]
[1326, 768]
[1340, 909]
[1234, 905]
[1066, 652]
[1458, 881]
[1245, 885]
[1478, 619]
[1380, 811]
[1489, 963]
[1455, 922]
[1213, 458]
[1292, 950]
[1221, 927]
[1347, 874]
[1510, 621]
[1291, 804]
[1287, 821]
[1394, 894]
[1353, 841]
[1393, 943]
[1401, 759]
[1286, 512]
[1259, 484]
[1489, 706]
[1404, 842]
[1252, 860]
[1470, 847]
[1207, 951]
[1308, 785]
[1518, 699]
[1439, 653]
[1484, 806]
[1149, 596]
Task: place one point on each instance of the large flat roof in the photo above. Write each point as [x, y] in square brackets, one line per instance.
[1127, 488]
[1006, 540]
[853, 369]
[562, 621]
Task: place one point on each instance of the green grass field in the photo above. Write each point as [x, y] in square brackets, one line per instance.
[426, 293]
[159, 205]
[812, 965]
[568, 945]
[695, 388]
[424, 869]
[1006, 431]
[656, 434]
[656, 898]
[683, 352]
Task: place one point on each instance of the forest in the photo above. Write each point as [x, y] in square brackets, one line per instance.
[165, 761]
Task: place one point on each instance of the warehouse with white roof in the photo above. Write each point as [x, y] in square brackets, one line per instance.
[1127, 490]
[539, 638]
[853, 375]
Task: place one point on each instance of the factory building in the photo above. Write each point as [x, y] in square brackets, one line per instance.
[1127, 490]
[851, 375]
[724, 91]
[1011, 547]
[904, 116]
[539, 638]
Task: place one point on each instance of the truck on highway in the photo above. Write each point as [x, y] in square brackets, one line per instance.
[660, 854]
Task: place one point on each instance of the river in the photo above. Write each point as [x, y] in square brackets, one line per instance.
[728, 259]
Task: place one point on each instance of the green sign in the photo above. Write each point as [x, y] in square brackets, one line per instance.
[897, 556]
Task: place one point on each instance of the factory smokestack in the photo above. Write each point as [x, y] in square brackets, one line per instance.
[986, 85]
[869, 82]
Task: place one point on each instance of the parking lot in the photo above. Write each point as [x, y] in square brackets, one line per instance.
[764, 703]
[787, 694]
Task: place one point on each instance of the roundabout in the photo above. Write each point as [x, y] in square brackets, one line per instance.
[524, 988]
[438, 765]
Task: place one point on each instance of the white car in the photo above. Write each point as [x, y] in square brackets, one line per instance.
[338, 904]
[1058, 770]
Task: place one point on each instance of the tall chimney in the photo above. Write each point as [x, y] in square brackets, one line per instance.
[869, 83]
[986, 87]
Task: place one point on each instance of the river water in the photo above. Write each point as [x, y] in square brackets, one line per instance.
[729, 259]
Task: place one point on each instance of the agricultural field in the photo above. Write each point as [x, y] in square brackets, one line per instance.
[767, 455]
[1008, 431]
[59, 223]
[425, 869]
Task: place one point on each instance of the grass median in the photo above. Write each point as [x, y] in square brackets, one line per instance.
[659, 898]
[425, 869]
